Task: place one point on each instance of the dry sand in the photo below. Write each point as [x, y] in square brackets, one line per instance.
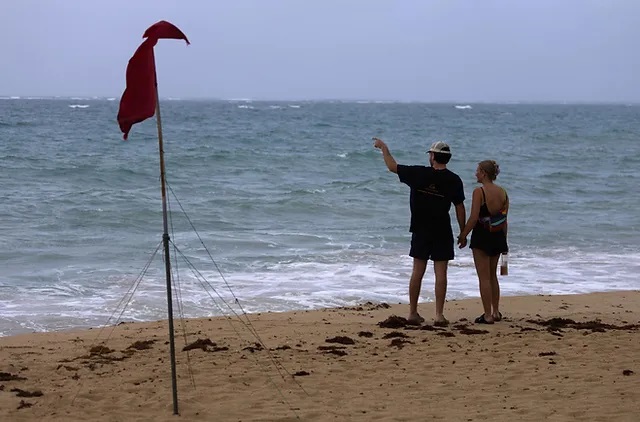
[515, 370]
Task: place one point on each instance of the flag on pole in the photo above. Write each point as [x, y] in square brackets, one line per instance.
[138, 101]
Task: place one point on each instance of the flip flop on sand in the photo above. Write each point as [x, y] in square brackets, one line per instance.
[481, 320]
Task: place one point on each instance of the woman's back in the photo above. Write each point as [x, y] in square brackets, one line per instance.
[495, 198]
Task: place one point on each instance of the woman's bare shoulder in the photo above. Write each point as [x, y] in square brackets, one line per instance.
[497, 188]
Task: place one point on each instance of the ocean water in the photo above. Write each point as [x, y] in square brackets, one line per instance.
[294, 205]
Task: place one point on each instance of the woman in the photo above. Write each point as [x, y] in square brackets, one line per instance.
[488, 220]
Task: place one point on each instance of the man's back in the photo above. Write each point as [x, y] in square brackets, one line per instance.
[432, 193]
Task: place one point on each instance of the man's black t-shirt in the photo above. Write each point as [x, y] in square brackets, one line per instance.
[432, 193]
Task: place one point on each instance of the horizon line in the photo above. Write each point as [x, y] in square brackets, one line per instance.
[346, 100]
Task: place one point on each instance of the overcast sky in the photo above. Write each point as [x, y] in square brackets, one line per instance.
[411, 50]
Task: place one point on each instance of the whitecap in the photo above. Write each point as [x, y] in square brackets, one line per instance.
[463, 107]
[294, 106]
[79, 105]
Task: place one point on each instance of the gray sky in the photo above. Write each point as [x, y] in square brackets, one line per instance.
[411, 50]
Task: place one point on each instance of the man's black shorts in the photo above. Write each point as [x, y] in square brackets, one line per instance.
[435, 248]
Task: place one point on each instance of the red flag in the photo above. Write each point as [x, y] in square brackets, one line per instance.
[138, 101]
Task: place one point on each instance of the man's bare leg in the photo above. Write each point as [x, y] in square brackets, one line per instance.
[415, 284]
[440, 269]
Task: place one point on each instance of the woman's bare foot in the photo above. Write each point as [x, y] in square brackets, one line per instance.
[497, 316]
[482, 319]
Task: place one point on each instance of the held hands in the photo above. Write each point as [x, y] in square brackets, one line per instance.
[462, 242]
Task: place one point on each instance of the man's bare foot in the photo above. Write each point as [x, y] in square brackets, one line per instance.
[440, 321]
[415, 319]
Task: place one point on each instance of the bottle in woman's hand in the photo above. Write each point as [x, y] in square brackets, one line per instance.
[504, 265]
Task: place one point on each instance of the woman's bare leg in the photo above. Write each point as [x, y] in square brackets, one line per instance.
[483, 265]
[495, 288]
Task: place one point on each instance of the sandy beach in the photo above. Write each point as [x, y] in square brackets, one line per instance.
[552, 358]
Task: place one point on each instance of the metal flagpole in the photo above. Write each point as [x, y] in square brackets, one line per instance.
[167, 258]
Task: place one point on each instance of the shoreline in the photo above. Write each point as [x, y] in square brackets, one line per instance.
[422, 305]
[340, 364]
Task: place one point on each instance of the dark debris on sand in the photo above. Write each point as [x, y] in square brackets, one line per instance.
[255, 347]
[142, 345]
[395, 334]
[100, 350]
[334, 350]
[395, 321]
[427, 327]
[366, 334]
[67, 367]
[627, 372]
[369, 306]
[341, 340]
[374, 306]
[24, 393]
[399, 343]
[199, 344]
[463, 329]
[23, 404]
[206, 345]
[556, 324]
[301, 374]
[285, 347]
[5, 376]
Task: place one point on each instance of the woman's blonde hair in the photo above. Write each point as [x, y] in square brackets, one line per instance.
[491, 168]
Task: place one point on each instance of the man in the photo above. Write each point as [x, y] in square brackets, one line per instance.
[433, 190]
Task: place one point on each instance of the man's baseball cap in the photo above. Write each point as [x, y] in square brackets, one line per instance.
[440, 147]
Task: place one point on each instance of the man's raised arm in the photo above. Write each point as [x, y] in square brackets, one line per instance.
[388, 158]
